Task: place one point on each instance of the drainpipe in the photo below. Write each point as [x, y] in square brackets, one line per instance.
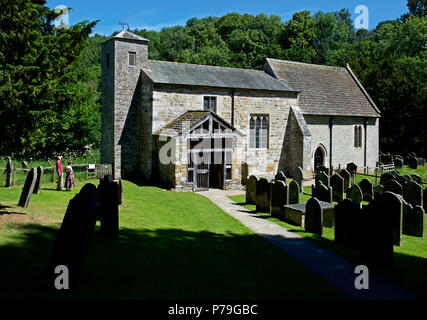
[365, 124]
[232, 106]
[331, 120]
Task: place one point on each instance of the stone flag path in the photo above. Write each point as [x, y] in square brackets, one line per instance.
[336, 270]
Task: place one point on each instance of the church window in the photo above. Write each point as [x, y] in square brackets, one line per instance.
[258, 132]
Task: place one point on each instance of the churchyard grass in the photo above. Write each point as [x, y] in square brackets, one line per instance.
[172, 246]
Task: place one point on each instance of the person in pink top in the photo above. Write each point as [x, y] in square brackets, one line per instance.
[59, 171]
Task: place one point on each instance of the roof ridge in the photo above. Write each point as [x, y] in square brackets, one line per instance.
[307, 64]
[206, 65]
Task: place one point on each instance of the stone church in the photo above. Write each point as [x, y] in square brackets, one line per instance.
[196, 126]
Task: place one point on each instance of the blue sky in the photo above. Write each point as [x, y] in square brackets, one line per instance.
[154, 15]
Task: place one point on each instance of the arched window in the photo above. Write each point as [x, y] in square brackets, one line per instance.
[258, 132]
[358, 136]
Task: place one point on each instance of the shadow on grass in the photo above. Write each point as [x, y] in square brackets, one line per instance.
[161, 264]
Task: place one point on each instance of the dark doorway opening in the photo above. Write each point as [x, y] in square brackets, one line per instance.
[319, 159]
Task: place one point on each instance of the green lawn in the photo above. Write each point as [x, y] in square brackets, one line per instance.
[171, 246]
[410, 257]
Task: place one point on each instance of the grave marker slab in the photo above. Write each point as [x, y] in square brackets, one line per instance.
[38, 185]
[28, 188]
[355, 194]
[299, 178]
[393, 186]
[321, 192]
[280, 176]
[314, 217]
[263, 195]
[346, 176]
[413, 220]
[385, 177]
[367, 189]
[337, 185]
[323, 178]
[413, 193]
[294, 191]
[413, 163]
[279, 198]
[108, 193]
[352, 169]
[348, 223]
[251, 184]
[417, 178]
[9, 169]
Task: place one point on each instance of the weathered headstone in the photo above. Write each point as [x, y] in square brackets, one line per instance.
[294, 191]
[322, 177]
[398, 163]
[378, 189]
[108, 193]
[413, 220]
[337, 185]
[38, 185]
[263, 195]
[393, 186]
[279, 198]
[321, 192]
[346, 176]
[352, 169]
[28, 188]
[9, 169]
[348, 223]
[367, 189]
[402, 181]
[385, 177]
[251, 184]
[416, 178]
[75, 234]
[395, 173]
[407, 177]
[280, 176]
[323, 169]
[314, 217]
[413, 163]
[355, 194]
[413, 193]
[299, 178]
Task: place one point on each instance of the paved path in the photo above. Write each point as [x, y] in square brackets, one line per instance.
[325, 263]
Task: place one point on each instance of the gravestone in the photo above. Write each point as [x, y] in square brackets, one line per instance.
[402, 181]
[9, 169]
[416, 178]
[299, 178]
[28, 188]
[108, 194]
[413, 193]
[38, 185]
[413, 220]
[294, 191]
[323, 178]
[323, 169]
[279, 198]
[337, 185]
[413, 163]
[280, 176]
[352, 169]
[321, 192]
[251, 184]
[24, 165]
[263, 195]
[346, 176]
[348, 222]
[385, 177]
[407, 177]
[378, 189]
[75, 234]
[398, 163]
[367, 189]
[313, 217]
[245, 170]
[393, 186]
[380, 220]
[355, 194]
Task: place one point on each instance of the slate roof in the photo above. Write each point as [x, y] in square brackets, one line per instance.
[162, 72]
[124, 34]
[325, 90]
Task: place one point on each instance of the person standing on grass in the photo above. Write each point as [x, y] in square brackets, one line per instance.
[59, 171]
[69, 179]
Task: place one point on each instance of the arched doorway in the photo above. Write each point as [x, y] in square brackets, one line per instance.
[319, 158]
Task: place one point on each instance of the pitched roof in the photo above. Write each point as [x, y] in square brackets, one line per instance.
[127, 35]
[325, 90]
[162, 72]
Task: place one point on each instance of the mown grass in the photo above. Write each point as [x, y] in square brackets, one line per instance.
[410, 257]
[171, 246]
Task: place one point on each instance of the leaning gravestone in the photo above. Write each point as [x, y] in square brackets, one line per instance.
[280, 176]
[337, 185]
[416, 178]
[322, 192]
[9, 169]
[367, 189]
[294, 191]
[314, 217]
[263, 196]
[393, 186]
[413, 193]
[348, 222]
[346, 176]
[75, 234]
[380, 220]
[109, 209]
[279, 198]
[323, 178]
[355, 194]
[413, 220]
[385, 177]
[299, 178]
[251, 184]
[352, 168]
[38, 185]
[28, 188]
[413, 163]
